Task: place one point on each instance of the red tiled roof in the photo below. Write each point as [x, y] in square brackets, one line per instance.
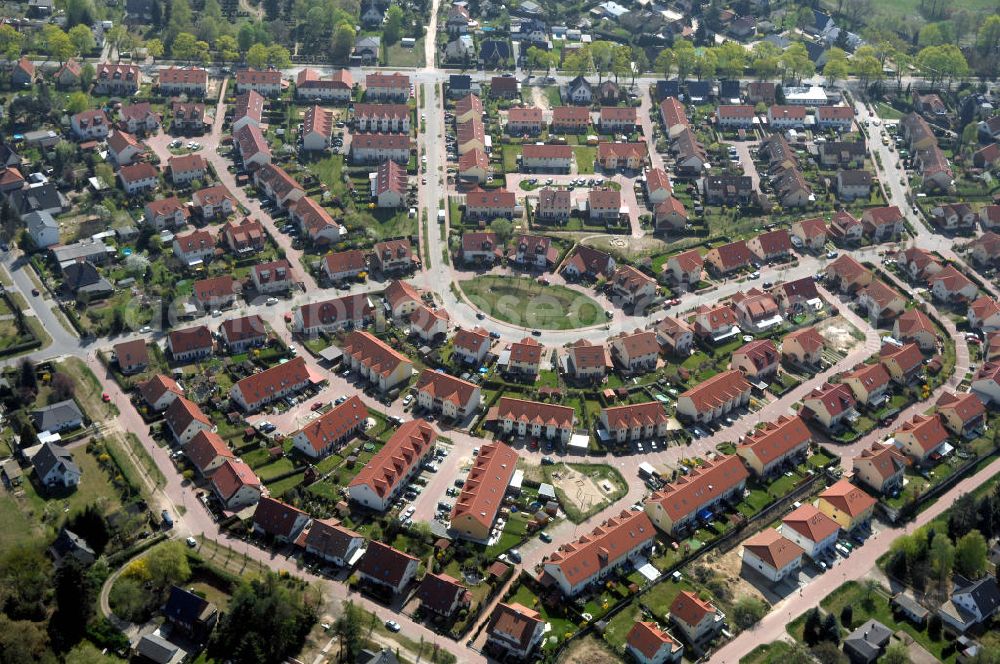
[259, 386]
[604, 546]
[773, 549]
[927, 431]
[277, 518]
[404, 449]
[239, 329]
[778, 438]
[181, 413]
[535, 412]
[345, 261]
[637, 414]
[445, 387]
[349, 307]
[206, 447]
[336, 423]
[533, 151]
[717, 390]
[847, 498]
[191, 338]
[222, 286]
[704, 484]
[690, 609]
[808, 338]
[384, 563]
[649, 639]
[811, 523]
[373, 353]
[157, 386]
[251, 76]
[486, 485]
[394, 80]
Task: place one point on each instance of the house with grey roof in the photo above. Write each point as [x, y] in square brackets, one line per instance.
[70, 545]
[43, 229]
[38, 198]
[971, 603]
[82, 280]
[56, 417]
[156, 649]
[93, 251]
[867, 643]
[54, 467]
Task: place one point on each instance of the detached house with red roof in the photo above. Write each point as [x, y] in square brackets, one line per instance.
[482, 495]
[586, 361]
[532, 418]
[902, 362]
[185, 419]
[803, 346]
[235, 485]
[132, 356]
[159, 392]
[387, 567]
[716, 322]
[273, 277]
[278, 185]
[212, 202]
[648, 644]
[124, 149]
[881, 302]
[185, 169]
[524, 358]
[276, 519]
[914, 325]
[332, 542]
[514, 630]
[388, 473]
[922, 438]
[883, 223]
[765, 450]
[829, 405]
[714, 397]
[636, 353]
[260, 389]
[590, 559]
[729, 257]
[676, 506]
[207, 451]
[771, 245]
[639, 421]
[380, 364]
[868, 384]
[194, 248]
[848, 275]
[332, 315]
[443, 595]
[452, 397]
[191, 343]
[699, 621]
[588, 262]
[631, 287]
[846, 504]
[23, 74]
[686, 267]
[812, 233]
[963, 414]
[344, 265]
[984, 314]
[138, 178]
[332, 430]
[216, 292]
[393, 256]
[674, 335]
[950, 285]
[773, 556]
[881, 468]
[534, 251]
[402, 298]
[811, 530]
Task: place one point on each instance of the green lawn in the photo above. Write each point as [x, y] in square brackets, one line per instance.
[398, 56]
[874, 605]
[619, 626]
[768, 653]
[510, 154]
[585, 156]
[523, 301]
[662, 595]
[562, 627]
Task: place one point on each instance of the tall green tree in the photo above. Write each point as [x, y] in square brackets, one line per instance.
[82, 38]
[342, 41]
[665, 62]
[393, 26]
[970, 555]
[942, 558]
[684, 58]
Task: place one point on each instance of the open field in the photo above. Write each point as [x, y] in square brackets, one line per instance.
[523, 301]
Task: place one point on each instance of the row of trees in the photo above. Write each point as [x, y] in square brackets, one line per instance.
[927, 558]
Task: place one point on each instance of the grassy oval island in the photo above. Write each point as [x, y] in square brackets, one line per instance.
[523, 301]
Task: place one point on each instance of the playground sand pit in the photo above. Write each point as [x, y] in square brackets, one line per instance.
[581, 490]
[840, 335]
